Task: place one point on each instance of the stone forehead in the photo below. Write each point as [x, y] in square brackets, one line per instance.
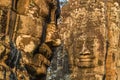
[82, 37]
[85, 36]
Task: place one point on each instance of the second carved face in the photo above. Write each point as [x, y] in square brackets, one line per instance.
[87, 51]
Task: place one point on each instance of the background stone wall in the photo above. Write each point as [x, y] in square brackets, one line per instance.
[89, 31]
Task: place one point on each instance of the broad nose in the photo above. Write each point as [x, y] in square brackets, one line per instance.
[85, 50]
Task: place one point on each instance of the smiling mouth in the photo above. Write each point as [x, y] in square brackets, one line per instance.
[86, 61]
[86, 58]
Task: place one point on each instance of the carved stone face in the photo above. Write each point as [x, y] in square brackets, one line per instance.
[27, 41]
[27, 32]
[86, 52]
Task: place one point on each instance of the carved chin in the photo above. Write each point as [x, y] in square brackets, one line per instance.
[86, 64]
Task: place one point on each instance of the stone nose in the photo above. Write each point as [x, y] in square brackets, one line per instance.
[85, 50]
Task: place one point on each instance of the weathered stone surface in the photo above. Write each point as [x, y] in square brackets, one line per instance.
[5, 3]
[90, 32]
[27, 29]
[112, 70]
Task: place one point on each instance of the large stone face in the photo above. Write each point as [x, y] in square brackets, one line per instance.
[90, 32]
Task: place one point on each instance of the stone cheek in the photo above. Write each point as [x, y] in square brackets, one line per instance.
[114, 35]
[27, 43]
[29, 33]
[29, 26]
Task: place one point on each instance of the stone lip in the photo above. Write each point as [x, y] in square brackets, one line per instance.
[86, 58]
[86, 61]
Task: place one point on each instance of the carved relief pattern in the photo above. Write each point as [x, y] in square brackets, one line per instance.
[89, 30]
[27, 30]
